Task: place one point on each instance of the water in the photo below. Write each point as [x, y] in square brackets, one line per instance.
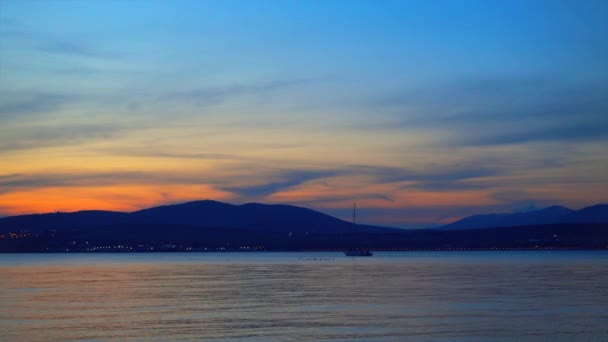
[410, 296]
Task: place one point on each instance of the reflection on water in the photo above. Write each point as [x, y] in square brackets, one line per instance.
[291, 296]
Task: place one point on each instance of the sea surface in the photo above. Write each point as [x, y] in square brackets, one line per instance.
[265, 296]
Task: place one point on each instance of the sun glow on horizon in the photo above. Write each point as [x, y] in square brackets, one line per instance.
[303, 103]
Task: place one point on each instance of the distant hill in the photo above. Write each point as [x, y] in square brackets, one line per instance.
[252, 216]
[210, 214]
[81, 219]
[551, 215]
[594, 214]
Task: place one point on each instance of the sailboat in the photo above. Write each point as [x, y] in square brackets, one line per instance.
[357, 252]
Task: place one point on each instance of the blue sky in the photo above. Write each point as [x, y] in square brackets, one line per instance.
[422, 111]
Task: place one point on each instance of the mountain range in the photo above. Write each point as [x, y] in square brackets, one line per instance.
[211, 225]
[206, 213]
[550, 215]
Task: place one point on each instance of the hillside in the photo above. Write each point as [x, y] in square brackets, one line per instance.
[209, 214]
[551, 215]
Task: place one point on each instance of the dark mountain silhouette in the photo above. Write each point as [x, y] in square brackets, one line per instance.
[554, 214]
[210, 214]
[551, 215]
[253, 216]
[597, 214]
[80, 219]
[211, 225]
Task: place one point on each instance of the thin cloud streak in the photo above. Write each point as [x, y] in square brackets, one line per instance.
[211, 96]
[501, 112]
[286, 180]
[22, 104]
[36, 137]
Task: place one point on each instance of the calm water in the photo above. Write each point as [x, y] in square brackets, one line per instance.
[410, 296]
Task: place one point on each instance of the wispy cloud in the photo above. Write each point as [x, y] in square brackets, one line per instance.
[213, 95]
[564, 132]
[500, 111]
[286, 180]
[14, 182]
[46, 42]
[71, 48]
[431, 177]
[18, 104]
[37, 136]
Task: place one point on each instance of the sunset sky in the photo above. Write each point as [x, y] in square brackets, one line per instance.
[421, 111]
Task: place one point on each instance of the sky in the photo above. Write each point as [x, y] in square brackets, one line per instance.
[422, 112]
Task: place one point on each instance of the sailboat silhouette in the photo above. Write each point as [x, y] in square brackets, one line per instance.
[352, 251]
